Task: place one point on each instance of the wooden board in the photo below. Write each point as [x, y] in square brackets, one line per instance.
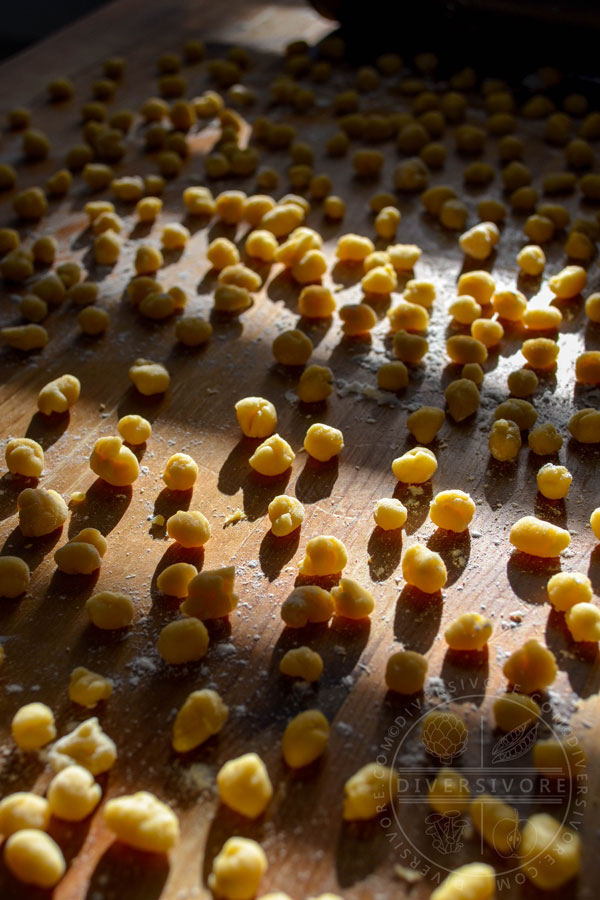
[46, 634]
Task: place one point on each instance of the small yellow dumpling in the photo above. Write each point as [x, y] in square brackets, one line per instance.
[512, 710]
[405, 672]
[353, 248]
[497, 822]
[211, 594]
[452, 510]
[424, 569]
[256, 417]
[114, 462]
[86, 745]
[555, 759]
[245, 786]
[134, 429]
[302, 662]
[149, 377]
[33, 726]
[189, 527]
[554, 481]
[531, 668]
[324, 555]
[307, 603]
[449, 792]
[73, 794]
[474, 881]
[584, 425]
[193, 331]
[109, 610]
[538, 537]
[565, 589]
[550, 852]
[202, 715]
[305, 738]
[83, 554]
[425, 422]
[390, 513]
[14, 576]
[380, 280]
[273, 457]
[23, 810]
[315, 384]
[175, 579]
[392, 376]
[323, 442]
[142, 821]
[292, 348]
[34, 858]
[183, 641]
[88, 688]
[368, 791]
[416, 466]
[470, 631]
[286, 514]
[316, 302]
[583, 621]
[504, 440]
[351, 599]
[237, 869]
[181, 472]
[569, 282]
[59, 395]
[41, 511]
[24, 456]
[222, 253]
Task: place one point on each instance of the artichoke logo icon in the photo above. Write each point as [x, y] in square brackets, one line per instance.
[444, 734]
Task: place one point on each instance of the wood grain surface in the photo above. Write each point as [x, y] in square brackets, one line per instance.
[46, 634]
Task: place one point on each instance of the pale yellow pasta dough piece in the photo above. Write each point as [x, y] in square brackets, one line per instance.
[369, 791]
[24, 456]
[273, 457]
[41, 511]
[88, 688]
[351, 599]
[23, 810]
[211, 594]
[134, 429]
[109, 610]
[324, 555]
[73, 794]
[181, 472]
[32, 726]
[286, 514]
[142, 821]
[244, 785]
[189, 527]
[256, 417]
[114, 462]
[175, 579]
[237, 869]
[14, 576]
[201, 717]
[34, 858]
[149, 377]
[305, 738]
